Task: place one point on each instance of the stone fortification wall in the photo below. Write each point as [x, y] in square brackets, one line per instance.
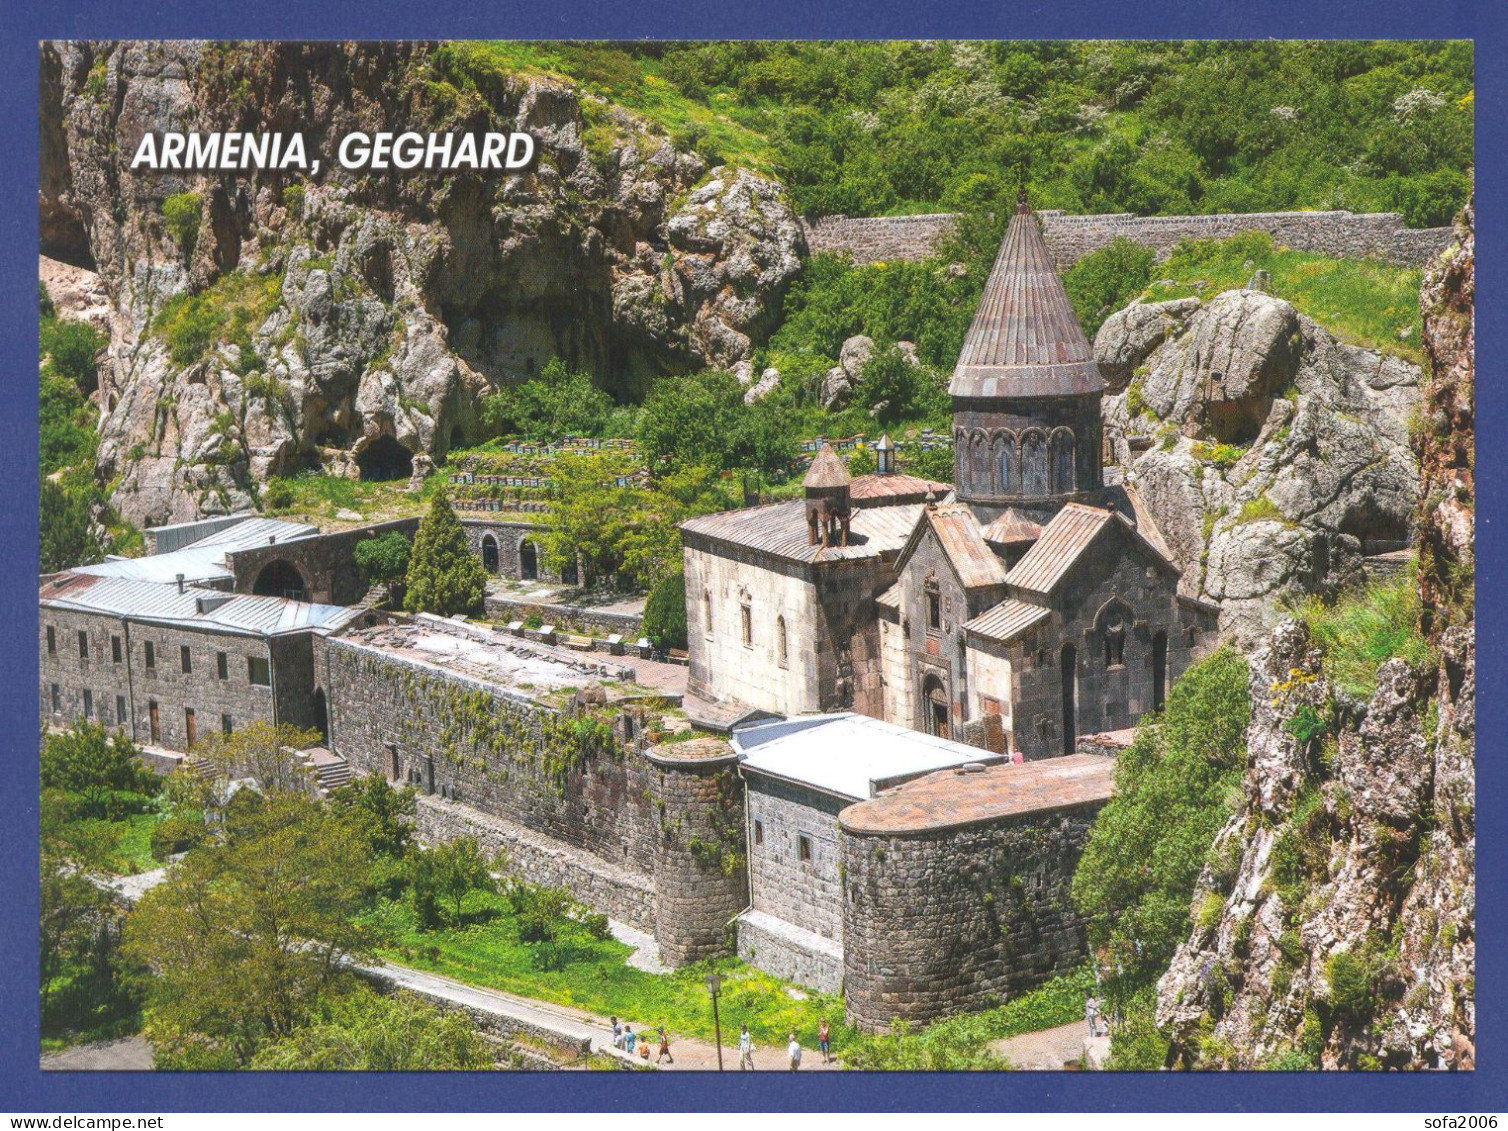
[956, 919]
[565, 776]
[1069, 238]
[700, 867]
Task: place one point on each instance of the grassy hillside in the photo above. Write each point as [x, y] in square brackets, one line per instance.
[896, 127]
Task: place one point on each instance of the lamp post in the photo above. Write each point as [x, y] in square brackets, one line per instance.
[714, 983]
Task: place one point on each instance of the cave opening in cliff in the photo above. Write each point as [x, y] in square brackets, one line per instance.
[385, 458]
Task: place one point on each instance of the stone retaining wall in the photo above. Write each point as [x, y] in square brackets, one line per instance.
[1070, 237]
[617, 892]
[790, 953]
[566, 618]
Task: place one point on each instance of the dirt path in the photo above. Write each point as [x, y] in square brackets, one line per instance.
[129, 1054]
[1046, 1049]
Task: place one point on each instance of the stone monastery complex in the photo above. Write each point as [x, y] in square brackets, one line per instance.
[874, 774]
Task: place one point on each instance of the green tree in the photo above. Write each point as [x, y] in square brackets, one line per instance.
[262, 751]
[181, 212]
[381, 813]
[249, 932]
[66, 533]
[559, 402]
[1173, 790]
[449, 872]
[696, 421]
[94, 767]
[894, 389]
[363, 1031]
[444, 576]
[1105, 280]
[384, 559]
[665, 612]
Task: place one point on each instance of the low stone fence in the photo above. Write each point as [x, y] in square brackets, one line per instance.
[1348, 235]
[790, 953]
[567, 618]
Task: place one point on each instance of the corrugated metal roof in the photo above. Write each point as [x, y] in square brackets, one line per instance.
[1025, 340]
[850, 755]
[150, 601]
[1007, 620]
[958, 533]
[1063, 540]
[780, 529]
[827, 470]
[204, 560]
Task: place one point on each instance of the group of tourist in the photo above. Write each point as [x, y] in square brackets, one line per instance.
[638, 1044]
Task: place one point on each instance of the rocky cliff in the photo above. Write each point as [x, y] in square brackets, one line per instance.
[1275, 458]
[275, 321]
[1334, 924]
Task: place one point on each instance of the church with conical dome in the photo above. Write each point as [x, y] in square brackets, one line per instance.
[1020, 609]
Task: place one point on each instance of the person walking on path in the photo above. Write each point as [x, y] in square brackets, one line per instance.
[629, 1040]
[617, 1033]
[1092, 1014]
[745, 1049]
[664, 1048]
[822, 1041]
[793, 1053]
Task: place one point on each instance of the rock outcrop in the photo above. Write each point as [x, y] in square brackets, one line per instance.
[1334, 925]
[377, 308]
[1274, 457]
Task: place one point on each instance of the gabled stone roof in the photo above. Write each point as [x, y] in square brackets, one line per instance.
[957, 532]
[1007, 620]
[1071, 531]
[1011, 529]
[1025, 340]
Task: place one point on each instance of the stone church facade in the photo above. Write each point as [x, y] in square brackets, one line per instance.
[1025, 606]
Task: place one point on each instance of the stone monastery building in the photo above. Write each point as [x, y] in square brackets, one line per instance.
[1026, 607]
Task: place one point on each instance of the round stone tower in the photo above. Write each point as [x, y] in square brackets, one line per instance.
[1026, 390]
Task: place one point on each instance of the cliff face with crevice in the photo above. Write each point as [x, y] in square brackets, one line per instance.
[342, 313]
[1334, 925]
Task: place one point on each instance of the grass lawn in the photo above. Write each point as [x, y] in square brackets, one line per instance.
[131, 852]
[593, 976]
[1364, 302]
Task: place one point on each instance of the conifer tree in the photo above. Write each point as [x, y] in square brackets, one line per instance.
[444, 576]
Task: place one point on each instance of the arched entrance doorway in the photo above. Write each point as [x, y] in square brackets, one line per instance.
[1069, 664]
[489, 553]
[528, 561]
[935, 707]
[321, 715]
[280, 579]
[385, 458]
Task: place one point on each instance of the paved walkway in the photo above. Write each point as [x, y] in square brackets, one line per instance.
[1046, 1049]
[129, 1054]
[576, 1024]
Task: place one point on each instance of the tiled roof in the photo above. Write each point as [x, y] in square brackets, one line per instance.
[1026, 340]
[958, 533]
[1007, 620]
[194, 607]
[883, 490]
[827, 470]
[780, 529]
[950, 799]
[1063, 540]
[1012, 528]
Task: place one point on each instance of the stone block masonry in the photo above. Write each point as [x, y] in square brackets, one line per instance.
[1347, 235]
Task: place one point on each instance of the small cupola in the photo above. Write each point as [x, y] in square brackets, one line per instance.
[884, 456]
[827, 501]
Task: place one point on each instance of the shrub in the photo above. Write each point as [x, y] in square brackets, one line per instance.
[93, 766]
[665, 613]
[72, 347]
[385, 557]
[181, 213]
[277, 495]
[1105, 280]
[1362, 629]
[176, 834]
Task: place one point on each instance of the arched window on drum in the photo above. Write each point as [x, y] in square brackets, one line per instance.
[1062, 462]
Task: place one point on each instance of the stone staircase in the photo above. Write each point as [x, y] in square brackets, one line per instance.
[331, 771]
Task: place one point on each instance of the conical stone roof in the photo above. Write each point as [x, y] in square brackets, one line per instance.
[1025, 340]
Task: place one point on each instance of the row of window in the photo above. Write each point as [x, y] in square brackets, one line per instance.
[258, 670]
[1029, 464]
[154, 716]
[746, 627]
[803, 842]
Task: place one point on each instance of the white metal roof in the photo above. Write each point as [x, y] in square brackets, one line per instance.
[848, 755]
[204, 560]
[210, 609]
